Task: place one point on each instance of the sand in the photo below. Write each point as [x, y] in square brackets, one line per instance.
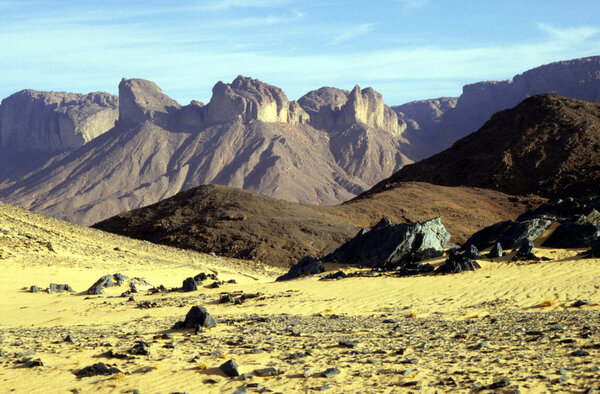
[455, 332]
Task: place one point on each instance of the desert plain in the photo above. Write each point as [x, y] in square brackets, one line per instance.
[507, 327]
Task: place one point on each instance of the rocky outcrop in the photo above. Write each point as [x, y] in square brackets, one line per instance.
[141, 100]
[335, 109]
[423, 114]
[389, 245]
[52, 122]
[366, 106]
[248, 99]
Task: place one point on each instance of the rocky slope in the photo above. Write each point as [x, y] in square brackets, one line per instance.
[247, 225]
[248, 136]
[547, 145]
[35, 126]
[441, 122]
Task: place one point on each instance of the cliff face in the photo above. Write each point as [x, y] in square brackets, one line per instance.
[141, 100]
[578, 78]
[249, 99]
[336, 109]
[52, 122]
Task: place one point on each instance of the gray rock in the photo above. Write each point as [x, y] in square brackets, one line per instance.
[389, 244]
[308, 265]
[527, 230]
[189, 284]
[496, 251]
[230, 368]
[329, 372]
[96, 369]
[56, 288]
[457, 263]
[197, 316]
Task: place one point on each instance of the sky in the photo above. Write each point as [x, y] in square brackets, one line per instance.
[405, 49]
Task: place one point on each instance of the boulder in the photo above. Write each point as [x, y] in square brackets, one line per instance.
[496, 251]
[230, 368]
[573, 235]
[412, 269]
[308, 265]
[96, 369]
[100, 284]
[594, 252]
[456, 263]
[525, 230]
[389, 244]
[526, 251]
[189, 284]
[472, 253]
[197, 316]
[561, 210]
[56, 288]
[488, 236]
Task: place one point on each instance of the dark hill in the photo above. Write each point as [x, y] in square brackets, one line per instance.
[242, 224]
[548, 145]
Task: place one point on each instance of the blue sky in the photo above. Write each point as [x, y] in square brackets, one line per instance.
[405, 49]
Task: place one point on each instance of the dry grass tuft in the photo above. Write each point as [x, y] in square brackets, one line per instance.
[547, 303]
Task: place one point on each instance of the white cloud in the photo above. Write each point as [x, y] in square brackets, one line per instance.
[221, 5]
[570, 34]
[352, 32]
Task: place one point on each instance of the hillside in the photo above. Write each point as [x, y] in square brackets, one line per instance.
[241, 224]
[548, 145]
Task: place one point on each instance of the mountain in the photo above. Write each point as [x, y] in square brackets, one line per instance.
[248, 136]
[246, 225]
[435, 125]
[37, 126]
[548, 145]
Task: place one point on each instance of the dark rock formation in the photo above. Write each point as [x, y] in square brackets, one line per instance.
[308, 265]
[189, 284]
[58, 288]
[389, 244]
[456, 263]
[488, 236]
[100, 284]
[97, 369]
[197, 316]
[472, 253]
[526, 251]
[523, 230]
[230, 369]
[573, 235]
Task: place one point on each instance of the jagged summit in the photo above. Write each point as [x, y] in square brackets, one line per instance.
[249, 99]
[141, 100]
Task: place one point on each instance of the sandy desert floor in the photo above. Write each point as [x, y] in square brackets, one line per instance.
[477, 331]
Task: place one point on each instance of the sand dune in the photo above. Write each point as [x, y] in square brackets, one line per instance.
[464, 331]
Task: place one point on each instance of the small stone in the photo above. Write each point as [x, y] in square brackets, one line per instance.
[307, 372]
[140, 348]
[580, 303]
[562, 379]
[329, 372]
[579, 353]
[266, 372]
[499, 384]
[350, 344]
[34, 289]
[230, 368]
[241, 390]
[68, 338]
[197, 316]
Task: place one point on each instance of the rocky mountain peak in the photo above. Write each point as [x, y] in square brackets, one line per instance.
[249, 99]
[141, 100]
[33, 121]
[366, 106]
